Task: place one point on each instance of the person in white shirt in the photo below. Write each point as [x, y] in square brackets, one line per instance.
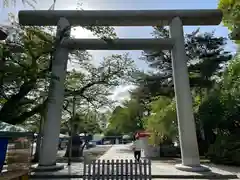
[137, 148]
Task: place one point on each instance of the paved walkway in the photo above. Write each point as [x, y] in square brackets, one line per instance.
[123, 151]
[120, 151]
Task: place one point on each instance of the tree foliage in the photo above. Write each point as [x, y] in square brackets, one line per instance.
[225, 150]
[206, 58]
[162, 121]
[126, 119]
[219, 111]
[231, 15]
[25, 76]
[214, 81]
[86, 123]
[206, 62]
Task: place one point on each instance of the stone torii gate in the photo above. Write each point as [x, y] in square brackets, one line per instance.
[175, 19]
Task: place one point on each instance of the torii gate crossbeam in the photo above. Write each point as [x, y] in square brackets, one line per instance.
[120, 17]
[175, 19]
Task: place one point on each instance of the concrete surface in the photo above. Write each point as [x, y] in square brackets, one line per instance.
[160, 170]
[123, 151]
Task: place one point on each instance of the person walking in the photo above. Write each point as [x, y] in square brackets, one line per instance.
[137, 148]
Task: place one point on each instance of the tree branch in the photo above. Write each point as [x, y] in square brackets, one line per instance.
[21, 118]
[83, 89]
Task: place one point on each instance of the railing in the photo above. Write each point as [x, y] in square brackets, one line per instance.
[117, 169]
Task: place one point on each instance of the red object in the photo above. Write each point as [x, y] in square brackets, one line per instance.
[142, 134]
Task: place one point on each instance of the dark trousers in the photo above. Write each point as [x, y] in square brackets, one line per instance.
[137, 155]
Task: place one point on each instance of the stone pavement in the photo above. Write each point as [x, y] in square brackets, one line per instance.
[159, 169]
[120, 151]
[123, 151]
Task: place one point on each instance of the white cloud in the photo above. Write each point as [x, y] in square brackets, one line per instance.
[121, 93]
[80, 32]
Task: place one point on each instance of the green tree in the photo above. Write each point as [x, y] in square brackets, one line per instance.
[206, 59]
[218, 112]
[161, 123]
[86, 123]
[26, 74]
[231, 16]
[126, 119]
[82, 123]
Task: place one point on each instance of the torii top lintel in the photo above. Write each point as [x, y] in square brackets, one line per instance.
[120, 17]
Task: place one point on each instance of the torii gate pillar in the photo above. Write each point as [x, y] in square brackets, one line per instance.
[186, 123]
[49, 149]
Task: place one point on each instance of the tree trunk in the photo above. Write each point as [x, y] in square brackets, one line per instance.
[39, 140]
[77, 147]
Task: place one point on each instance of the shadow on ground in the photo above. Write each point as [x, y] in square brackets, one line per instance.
[88, 154]
[232, 172]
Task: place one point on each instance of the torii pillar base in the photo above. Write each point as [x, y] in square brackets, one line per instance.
[56, 167]
[197, 168]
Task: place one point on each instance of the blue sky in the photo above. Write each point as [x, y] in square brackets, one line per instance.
[128, 32]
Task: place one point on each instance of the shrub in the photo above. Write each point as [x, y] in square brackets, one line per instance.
[225, 150]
